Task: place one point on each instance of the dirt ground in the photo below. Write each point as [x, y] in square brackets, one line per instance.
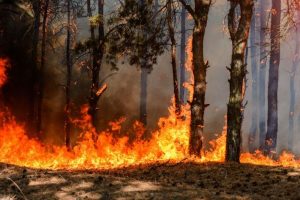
[158, 181]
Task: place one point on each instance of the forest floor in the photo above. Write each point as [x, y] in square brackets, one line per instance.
[157, 181]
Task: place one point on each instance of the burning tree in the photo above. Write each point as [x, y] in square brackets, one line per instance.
[264, 19]
[200, 17]
[170, 19]
[98, 46]
[152, 46]
[239, 31]
[138, 37]
[69, 77]
[272, 123]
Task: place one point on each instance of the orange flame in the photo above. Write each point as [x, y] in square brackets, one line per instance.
[3, 66]
[169, 143]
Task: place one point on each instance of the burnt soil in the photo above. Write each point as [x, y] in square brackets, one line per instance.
[157, 181]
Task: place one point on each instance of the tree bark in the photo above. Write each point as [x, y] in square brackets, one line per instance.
[272, 123]
[199, 71]
[295, 65]
[69, 78]
[173, 55]
[239, 37]
[262, 72]
[97, 51]
[254, 72]
[42, 70]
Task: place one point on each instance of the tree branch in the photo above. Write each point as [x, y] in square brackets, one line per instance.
[188, 8]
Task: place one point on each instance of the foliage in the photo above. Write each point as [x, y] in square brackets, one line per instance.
[138, 34]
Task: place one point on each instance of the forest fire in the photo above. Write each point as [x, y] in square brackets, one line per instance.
[85, 109]
[169, 143]
[101, 150]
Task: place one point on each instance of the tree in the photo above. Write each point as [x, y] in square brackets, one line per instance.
[272, 123]
[144, 81]
[182, 55]
[144, 95]
[97, 56]
[69, 78]
[254, 82]
[42, 69]
[239, 31]
[295, 65]
[139, 49]
[200, 17]
[36, 5]
[262, 72]
[170, 20]
[138, 35]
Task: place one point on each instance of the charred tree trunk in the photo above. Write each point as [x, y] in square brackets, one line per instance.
[42, 69]
[272, 123]
[182, 55]
[173, 55]
[69, 78]
[254, 72]
[97, 54]
[35, 41]
[199, 71]
[262, 73]
[295, 66]
[239, 37]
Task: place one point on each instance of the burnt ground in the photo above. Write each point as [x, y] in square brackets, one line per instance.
[159, 181]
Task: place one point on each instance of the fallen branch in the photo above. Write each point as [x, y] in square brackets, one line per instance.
[15, 184]
[101, 90]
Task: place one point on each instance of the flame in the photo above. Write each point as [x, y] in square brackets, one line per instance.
[3, 67]
[189, 67]
[169, 143]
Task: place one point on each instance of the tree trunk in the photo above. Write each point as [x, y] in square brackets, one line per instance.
[42, 69]
[199, 72]
[69, 78]
[272, 123]
[98, 50]
[254, 72]
[143, 95]
[182, 55]
[144, 85]
[239, 37]
[173, 55]
[35, 40]
[262, 72]
[296, 62]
